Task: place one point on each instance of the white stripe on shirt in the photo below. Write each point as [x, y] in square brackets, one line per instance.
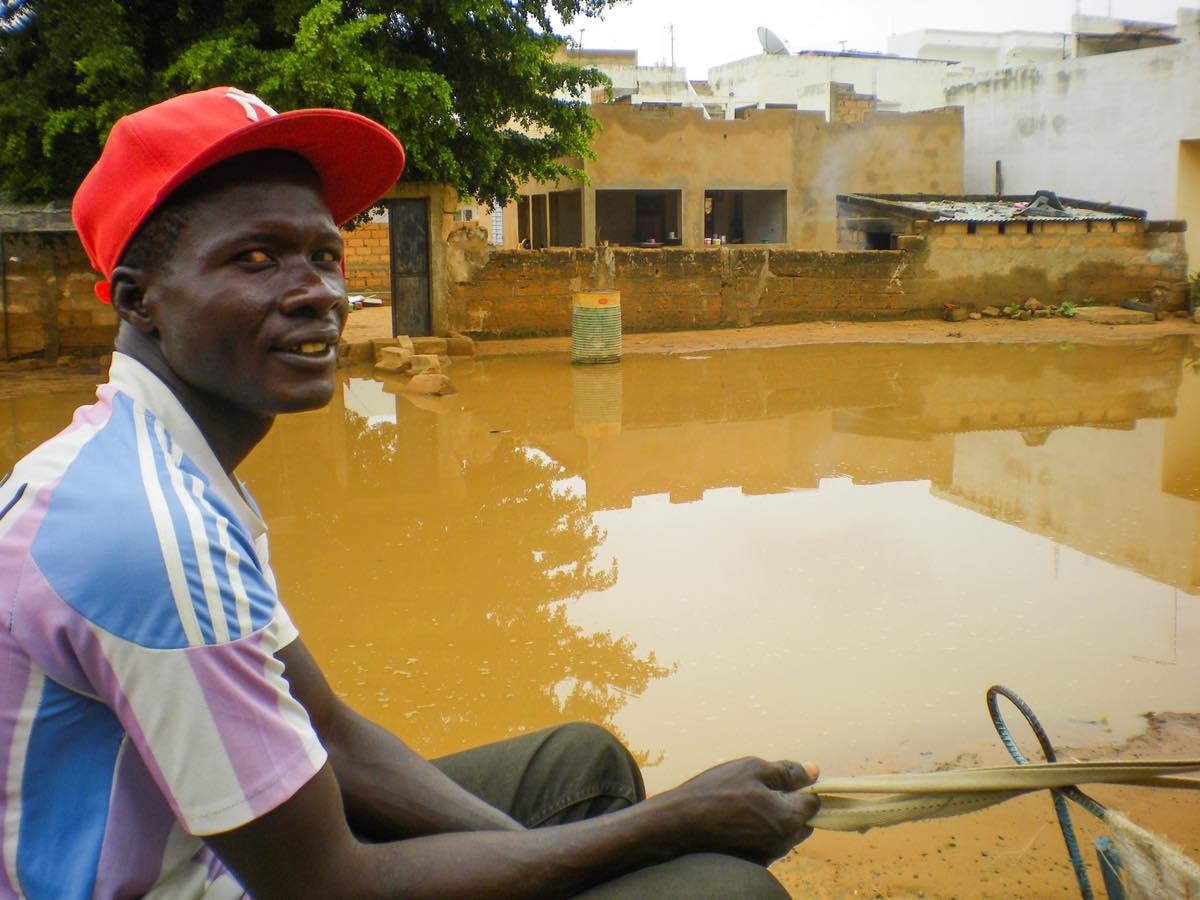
[165, 529]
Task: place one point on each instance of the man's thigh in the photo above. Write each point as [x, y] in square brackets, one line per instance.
[549, 777]
[701, 876]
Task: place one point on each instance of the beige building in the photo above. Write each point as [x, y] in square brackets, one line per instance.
[670, 176]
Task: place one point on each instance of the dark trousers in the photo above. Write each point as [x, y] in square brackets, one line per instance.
[574, 772]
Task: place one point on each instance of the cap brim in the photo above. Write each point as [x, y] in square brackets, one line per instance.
[357, 159]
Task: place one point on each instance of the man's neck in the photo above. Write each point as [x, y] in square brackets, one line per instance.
[231, 433]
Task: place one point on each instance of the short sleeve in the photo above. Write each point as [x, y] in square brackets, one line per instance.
[216, 725]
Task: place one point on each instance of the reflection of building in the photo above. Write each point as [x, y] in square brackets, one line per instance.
[1080, 443]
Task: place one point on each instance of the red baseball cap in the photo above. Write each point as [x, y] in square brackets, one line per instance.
[152, 152]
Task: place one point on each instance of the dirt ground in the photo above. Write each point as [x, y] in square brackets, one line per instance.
[1011, 850]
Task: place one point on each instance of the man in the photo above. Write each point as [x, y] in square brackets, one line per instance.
[163, 729]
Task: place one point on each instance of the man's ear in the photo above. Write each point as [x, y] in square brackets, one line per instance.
[128, 294]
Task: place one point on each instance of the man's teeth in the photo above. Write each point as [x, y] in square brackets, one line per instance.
[309, 347]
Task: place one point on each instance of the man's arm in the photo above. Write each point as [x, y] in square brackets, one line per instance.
[304, 847]
[389, 791]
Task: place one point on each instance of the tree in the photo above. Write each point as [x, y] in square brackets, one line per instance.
[473, 88]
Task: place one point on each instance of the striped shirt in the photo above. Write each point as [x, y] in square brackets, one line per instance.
[141, 703]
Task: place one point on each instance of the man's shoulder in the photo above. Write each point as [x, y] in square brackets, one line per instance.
[129, 534]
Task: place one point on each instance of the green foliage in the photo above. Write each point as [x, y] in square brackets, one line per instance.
[1194, 290]
[1012, 310]
[473, 88]
[1068, 309]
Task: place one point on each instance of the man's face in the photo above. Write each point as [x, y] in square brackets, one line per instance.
[250, 305]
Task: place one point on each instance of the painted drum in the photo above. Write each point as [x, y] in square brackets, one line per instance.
[596, 328]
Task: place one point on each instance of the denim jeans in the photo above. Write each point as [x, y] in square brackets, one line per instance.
[574, 772]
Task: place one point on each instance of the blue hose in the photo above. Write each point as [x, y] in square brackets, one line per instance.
[1059, 795]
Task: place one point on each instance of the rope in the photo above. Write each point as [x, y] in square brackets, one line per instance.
[1058, 795]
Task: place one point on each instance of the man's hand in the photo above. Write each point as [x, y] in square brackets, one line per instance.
[747, 808]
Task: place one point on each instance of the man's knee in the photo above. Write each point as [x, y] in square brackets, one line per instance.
[592, 747]
[700, 876]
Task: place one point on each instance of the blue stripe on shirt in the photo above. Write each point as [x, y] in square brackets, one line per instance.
[99, 534]
[72, 753]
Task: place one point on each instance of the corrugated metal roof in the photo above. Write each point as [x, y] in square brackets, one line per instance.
[1004, 211]
[977, 208]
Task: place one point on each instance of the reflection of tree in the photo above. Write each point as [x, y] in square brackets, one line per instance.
[455, 630]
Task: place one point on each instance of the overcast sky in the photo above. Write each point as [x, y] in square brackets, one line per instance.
[709, 32]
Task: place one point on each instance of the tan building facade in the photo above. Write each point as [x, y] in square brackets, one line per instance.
[668, 176]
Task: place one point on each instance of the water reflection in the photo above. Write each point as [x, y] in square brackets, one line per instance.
[434, 581]
[828, 550]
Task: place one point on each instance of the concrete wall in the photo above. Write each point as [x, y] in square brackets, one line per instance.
[813, 160]
[904, 85]
[515, 293]
[1105, 261]
[982, 50]
[1104, 127]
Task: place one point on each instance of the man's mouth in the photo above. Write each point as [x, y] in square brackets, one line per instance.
[308, 348]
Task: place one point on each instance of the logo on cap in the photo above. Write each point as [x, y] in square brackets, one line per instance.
[250, 103]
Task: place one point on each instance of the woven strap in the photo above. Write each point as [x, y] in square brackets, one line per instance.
[915, 796]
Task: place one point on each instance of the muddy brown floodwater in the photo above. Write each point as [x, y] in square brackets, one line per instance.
[821, 552]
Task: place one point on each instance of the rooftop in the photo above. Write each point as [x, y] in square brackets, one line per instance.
[1044, 206]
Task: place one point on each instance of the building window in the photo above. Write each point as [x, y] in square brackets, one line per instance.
[638, 217]
[746, 217]
[498, 227]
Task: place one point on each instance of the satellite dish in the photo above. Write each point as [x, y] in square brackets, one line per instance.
[771, 42]
[15, 15]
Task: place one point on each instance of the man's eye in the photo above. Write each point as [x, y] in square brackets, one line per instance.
[254, 257]
[327, 256]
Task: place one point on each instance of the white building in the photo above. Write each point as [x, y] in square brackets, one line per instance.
[1120, 121]
[978, 50]
[802, 80]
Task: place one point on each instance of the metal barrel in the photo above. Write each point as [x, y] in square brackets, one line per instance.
[596, 327]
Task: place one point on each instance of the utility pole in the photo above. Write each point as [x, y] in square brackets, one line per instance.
[671, 32]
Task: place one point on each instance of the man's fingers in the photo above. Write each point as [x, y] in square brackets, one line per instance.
[791, 776]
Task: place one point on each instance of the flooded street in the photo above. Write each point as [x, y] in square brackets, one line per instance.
[822, 552]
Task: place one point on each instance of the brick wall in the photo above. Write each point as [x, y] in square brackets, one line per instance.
[1108, 262]
[516, 292]
[368, 267]
[52, 310]
[847, 107]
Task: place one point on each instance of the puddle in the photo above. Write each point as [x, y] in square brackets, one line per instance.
[823, 552]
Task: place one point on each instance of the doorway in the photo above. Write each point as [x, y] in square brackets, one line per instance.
[408, 227]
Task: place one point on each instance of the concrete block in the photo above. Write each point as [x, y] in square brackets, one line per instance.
[424, 362]
[427, 345]
[394, 359]
[460, 345]
[361, 352]
[1113, 315]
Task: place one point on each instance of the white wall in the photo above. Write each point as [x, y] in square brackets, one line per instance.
[982, 50]
[1099, 127]
[901, 84]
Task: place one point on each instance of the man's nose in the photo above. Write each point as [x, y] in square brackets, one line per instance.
[315, 289]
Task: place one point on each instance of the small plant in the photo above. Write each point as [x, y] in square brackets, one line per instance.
[1068, 309]
[1194, 290]
[1086, 301]
[1012, 310]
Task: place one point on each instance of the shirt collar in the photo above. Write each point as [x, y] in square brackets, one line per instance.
[130, 377]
